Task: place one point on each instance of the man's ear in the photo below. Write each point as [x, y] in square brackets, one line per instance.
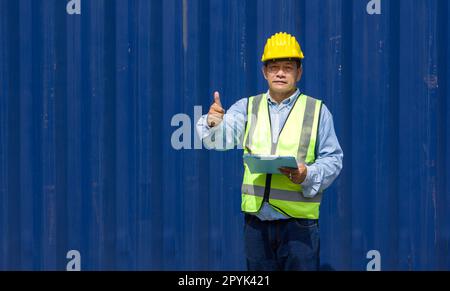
[264, 70]
[300, 72]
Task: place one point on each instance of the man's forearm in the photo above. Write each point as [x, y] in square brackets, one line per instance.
[321, 174]
[224, 136]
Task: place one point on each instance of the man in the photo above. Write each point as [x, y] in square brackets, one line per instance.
[281, 210]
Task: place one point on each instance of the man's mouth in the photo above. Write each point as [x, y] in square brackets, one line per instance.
[279, 82]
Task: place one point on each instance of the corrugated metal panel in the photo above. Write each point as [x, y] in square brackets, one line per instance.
[86, 104]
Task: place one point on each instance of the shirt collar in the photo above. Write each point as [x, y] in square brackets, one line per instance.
[286, 101]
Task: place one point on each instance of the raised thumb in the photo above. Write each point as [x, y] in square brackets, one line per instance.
[217, 98]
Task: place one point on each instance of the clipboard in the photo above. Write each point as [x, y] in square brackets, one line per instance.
[268, 164]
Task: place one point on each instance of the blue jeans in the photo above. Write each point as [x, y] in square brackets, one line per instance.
[281, 245]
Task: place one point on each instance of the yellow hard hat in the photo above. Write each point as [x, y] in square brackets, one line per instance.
[282, 46]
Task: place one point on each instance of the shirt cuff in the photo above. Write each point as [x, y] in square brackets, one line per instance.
[206, 129]
[311, 184]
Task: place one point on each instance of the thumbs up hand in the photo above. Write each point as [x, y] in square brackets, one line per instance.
[216, 112]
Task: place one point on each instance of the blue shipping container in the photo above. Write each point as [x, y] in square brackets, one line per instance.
[90, 104]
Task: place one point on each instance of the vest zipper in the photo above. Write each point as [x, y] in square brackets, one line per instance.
[268, 176]
[267, 188]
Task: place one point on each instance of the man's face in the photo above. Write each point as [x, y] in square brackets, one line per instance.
[282, 76]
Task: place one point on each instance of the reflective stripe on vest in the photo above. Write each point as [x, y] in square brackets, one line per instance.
[280, 194]
[297, 138]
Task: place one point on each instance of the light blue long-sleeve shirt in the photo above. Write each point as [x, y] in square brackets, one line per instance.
[229, 134]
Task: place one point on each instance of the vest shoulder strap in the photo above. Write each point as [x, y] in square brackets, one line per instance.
[252, 115]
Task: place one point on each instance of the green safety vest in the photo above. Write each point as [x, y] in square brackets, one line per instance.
[297, 138]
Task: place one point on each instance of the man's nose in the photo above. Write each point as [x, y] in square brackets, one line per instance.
[280, 73]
